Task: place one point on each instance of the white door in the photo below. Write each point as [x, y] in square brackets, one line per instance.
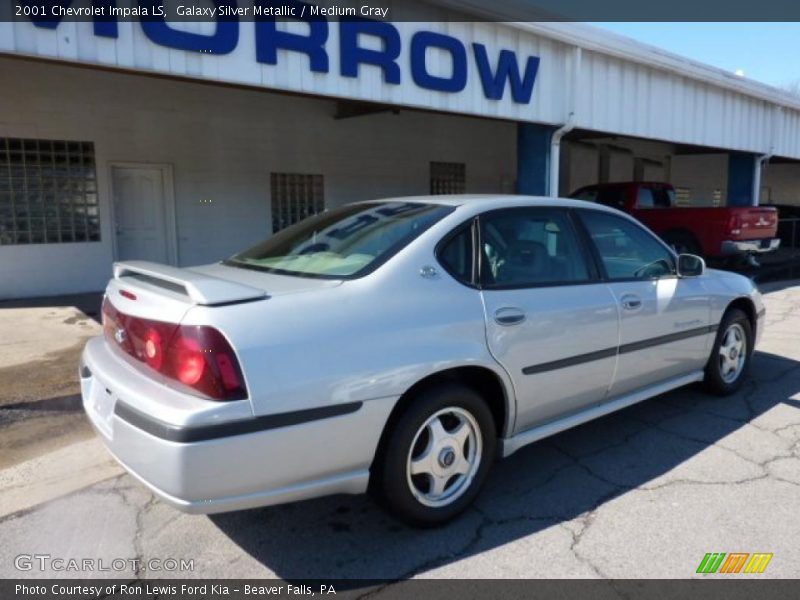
[140, 213]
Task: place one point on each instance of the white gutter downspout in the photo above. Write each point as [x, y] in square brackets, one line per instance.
[760, 160]
[555, 154]
[555, 141]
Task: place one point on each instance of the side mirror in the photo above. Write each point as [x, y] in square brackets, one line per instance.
[690, 265]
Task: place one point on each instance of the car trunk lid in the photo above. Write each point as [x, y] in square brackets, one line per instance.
[272, 283]
[145, 296]
[144, 317]
[187, 285]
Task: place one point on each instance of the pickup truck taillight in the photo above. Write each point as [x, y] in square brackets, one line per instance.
[735, 224]
[195, 356]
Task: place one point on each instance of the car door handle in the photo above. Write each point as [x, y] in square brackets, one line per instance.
[631, 302]
[509, 316]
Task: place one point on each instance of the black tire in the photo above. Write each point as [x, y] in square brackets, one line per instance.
[392, 479]
[716, 381]
[683, 242]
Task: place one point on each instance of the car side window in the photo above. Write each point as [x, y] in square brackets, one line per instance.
[654, 197]
[613, 197]
[456, 255]
[530, 246]
[645, 198]
[663, 198]
[627, 250]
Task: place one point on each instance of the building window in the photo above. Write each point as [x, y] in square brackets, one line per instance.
[683, 196]
[448, 178]
[295, 196]
[48, 192]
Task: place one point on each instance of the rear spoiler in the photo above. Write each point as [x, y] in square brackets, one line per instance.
[199, 288]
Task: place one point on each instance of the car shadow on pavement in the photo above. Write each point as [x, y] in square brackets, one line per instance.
[554, 485]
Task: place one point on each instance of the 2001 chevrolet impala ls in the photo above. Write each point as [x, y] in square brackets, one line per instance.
[401, 346]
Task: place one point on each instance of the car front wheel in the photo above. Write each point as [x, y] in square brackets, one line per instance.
[730, 357]
[438, 455]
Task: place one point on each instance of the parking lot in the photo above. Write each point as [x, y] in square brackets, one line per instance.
[646, 492]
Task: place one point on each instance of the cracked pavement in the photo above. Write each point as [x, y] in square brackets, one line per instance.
[645, 492]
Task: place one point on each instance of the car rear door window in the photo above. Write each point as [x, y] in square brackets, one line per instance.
[626, 250]
[456, 255]
[524, 247]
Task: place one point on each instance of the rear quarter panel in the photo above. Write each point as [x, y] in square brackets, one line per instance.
[369, 338]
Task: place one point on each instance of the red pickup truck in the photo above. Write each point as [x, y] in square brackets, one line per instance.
[713, 232]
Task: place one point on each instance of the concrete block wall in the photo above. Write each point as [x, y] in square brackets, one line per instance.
[702, 174]
[780, 183]
[223, 143]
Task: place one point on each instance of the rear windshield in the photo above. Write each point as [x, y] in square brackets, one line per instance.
[342, 243]
[609, 196]
[655, 197]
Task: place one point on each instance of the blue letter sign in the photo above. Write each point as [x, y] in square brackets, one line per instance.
[224, 40]
[270, 40]
[351, 54]
[494, 84]
[420, 42]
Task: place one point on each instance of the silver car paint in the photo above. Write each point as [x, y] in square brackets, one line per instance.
[314, 343]
[560, 322]
[668, 306]
[244, 471]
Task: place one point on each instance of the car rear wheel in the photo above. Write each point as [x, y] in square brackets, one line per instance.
[437, 456]
[730, 357]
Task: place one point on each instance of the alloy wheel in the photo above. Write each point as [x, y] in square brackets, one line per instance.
[444, 457]
[732, 353]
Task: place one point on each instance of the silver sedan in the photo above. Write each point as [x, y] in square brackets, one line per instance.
[401, 346]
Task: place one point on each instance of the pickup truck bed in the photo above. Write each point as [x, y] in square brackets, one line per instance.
[713, 232]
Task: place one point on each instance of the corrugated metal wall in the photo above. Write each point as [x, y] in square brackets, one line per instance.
[624, 97]
[133, 50]
[614, 94]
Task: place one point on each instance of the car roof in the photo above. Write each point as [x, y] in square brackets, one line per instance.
[489, 201]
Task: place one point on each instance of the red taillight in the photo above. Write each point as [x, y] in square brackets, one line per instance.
[227, 371]
[735, 224]
[188, 360]
[195, 356]
[153, 349]
[203, 359]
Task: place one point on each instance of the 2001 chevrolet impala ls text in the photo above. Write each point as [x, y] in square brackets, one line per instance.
[400, 346]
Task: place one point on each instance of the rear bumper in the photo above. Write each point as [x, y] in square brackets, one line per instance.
[202, 465]
[731, 247]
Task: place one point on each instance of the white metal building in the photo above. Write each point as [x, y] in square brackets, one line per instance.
[184, 143]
